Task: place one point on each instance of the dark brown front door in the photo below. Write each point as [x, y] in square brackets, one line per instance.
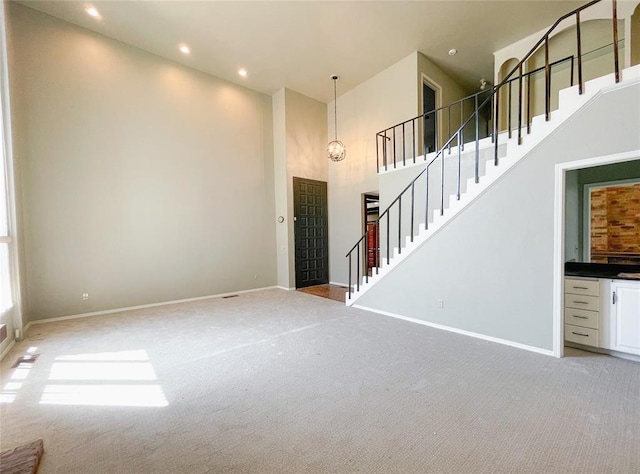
[311, 232]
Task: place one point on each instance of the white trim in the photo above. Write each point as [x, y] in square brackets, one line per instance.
[433, 85]
[476, 335]
[142, 306]
[6, 351]
[558, 233]
[284, 288]
[558, 259]
[437, 88]
[339, 284]
[7, 143]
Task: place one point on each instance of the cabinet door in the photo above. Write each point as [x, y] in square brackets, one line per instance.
[625, 316]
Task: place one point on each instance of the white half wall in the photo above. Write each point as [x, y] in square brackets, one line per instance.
[493, 264]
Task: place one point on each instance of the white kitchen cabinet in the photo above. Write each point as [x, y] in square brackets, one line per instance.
[582, 311]
[625, 316]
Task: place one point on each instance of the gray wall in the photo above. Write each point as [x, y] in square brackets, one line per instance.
[141, 180]
[493, 264]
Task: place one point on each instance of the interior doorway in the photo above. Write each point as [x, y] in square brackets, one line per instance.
[370, 214]
[567, 228]
[311, 234]
[429, 103]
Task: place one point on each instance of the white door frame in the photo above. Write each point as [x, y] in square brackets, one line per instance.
[438, 90]
[558, 233]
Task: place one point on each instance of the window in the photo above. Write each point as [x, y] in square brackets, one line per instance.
[6, 300]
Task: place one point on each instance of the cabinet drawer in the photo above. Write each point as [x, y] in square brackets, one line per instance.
[591, 303]
[582, 287]
[581, 317]
[586, 336]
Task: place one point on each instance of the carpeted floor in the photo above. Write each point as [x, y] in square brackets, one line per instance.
[284, 382]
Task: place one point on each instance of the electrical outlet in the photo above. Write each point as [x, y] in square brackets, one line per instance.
[255, 277]
[440, 303]
[85, 296]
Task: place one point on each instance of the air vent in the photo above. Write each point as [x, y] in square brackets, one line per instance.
[229, 296]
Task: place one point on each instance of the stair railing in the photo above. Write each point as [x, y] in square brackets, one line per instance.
[387, 140]
[491, 102]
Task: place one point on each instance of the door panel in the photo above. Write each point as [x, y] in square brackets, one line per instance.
[311, 232]
[626, 316]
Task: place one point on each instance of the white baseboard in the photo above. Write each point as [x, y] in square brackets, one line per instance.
[338, 283]
[285, 288]
[143, 306]
[505, 342]
[6, 351]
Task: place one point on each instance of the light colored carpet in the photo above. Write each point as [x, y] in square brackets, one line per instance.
[279, 382]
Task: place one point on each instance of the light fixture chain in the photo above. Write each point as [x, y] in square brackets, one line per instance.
[335, 108]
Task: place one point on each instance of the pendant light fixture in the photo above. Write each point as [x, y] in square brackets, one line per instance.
[336, 149]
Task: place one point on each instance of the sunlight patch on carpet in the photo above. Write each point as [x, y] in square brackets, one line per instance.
[85, 379]
[105, 395]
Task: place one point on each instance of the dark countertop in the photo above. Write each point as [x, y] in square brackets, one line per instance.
[600, 270]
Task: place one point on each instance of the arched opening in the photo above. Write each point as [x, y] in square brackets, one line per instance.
[597, 60]
[508, 96]
[635, 36]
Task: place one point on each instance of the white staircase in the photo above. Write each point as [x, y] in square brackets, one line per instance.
[510, 153]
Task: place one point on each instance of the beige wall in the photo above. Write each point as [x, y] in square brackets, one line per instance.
[392, 96]
[597, 59]
[142, 180]
[300, 144]
[451, 92]
[384, 100]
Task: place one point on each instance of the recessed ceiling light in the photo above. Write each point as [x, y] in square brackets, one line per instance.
[242, 72]
[91, 11]
[185, 49]
[453, 52]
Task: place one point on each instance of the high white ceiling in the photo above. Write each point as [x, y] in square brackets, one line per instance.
[300, 44]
